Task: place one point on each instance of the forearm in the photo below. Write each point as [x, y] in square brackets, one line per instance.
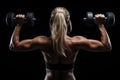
[15, 36]
[105, 37]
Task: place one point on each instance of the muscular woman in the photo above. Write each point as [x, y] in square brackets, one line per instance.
[59, 49]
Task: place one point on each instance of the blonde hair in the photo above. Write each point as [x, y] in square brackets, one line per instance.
[59, 22]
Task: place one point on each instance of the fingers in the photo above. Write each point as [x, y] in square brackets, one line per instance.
[20, 16]
[20, 19]
[99, 16]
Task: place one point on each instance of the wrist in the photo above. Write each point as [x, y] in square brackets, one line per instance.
[100, 25]
[19, 25]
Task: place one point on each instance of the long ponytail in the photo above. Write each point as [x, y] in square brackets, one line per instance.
[59, 28]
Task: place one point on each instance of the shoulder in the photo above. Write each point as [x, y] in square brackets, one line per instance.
[78, 38]
[42, 39]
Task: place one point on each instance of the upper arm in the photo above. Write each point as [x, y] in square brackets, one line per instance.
[89, 44]
[30, 44]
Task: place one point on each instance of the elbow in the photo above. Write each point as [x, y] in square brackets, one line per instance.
[12, 47]
[14, 44]
[105, 48]
[109, 48]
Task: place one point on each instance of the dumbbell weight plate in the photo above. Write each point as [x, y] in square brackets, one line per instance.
[89, 18]
[110, 21]
[10, 19]
[30, 18]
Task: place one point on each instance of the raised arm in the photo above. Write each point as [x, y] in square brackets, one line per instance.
[95, 45]
[27, 44]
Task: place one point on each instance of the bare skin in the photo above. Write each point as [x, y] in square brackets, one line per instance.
[75, 43]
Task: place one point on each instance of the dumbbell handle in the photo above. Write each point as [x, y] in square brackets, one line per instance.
[34, 18]
[93, 18]
[26, 18]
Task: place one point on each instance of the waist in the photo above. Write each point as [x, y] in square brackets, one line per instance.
[59, 75]
[59, 66]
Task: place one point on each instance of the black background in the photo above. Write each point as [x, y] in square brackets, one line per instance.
[30, 65]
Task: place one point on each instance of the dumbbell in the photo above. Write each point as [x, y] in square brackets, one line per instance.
[109, 18]
[11, 19]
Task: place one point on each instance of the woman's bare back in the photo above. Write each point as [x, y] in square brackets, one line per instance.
[59, 67]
